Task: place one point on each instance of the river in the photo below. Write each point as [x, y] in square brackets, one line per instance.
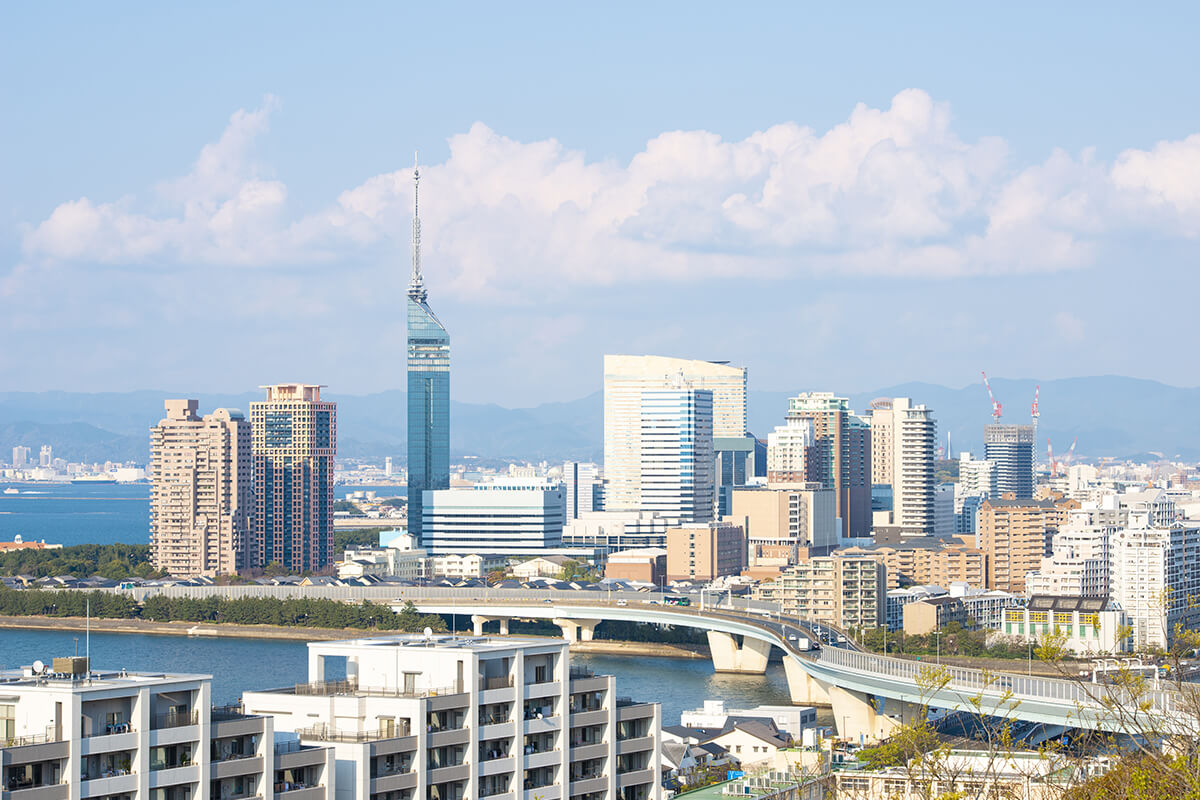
[238, 665]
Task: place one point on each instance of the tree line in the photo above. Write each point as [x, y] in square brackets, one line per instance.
[291, 612]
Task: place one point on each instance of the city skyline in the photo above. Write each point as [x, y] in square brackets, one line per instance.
[871, 215]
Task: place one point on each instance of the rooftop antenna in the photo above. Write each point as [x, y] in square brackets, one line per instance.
[416, 288]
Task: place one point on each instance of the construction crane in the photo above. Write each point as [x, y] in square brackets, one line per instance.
[992, 397]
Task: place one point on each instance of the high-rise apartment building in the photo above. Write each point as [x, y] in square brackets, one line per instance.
[625, 379]
[903, 439]
[845, 591]
[20, 456]
[46, 457]
[1016, 535]
[428, 387]
[201, 491]
[841, 456]
[1155, 577]
[294, 444]
[676, 464]
[580, 488]
[456, 718]
[789, 451]
[977, 478]
[1010, 448]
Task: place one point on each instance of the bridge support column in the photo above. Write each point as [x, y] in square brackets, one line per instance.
[804, 688]
[869, 717]
[577, 630]
[750, 658]
[478, 620]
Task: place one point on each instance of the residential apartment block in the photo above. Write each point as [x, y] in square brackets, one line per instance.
[705, 552]
[201, 491]
[928, 561]
[458, 718]
[846, 591]
[294, 441]
[68, 732]
[903, 439]
[841, 456]
[1016, 535]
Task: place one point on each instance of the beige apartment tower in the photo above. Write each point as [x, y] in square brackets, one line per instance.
[201, 496]
[903, 442]
[626, 380]
[845, 591]
[1016, 535]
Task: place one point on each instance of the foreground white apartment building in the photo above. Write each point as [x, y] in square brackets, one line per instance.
[458, 718]
[68, 732]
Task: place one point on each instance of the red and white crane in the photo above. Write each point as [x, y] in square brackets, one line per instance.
[992, 397]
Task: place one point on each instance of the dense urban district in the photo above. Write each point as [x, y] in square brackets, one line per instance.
[990, 625]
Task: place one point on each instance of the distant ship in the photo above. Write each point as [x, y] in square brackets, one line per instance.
[11, 490]
[100, 479]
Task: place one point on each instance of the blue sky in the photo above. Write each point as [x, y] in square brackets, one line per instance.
[206, 199]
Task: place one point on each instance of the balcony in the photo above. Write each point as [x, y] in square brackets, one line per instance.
[54, 791]
[237, 765]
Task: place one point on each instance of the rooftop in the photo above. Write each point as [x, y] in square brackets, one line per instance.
[442, 642]
[92, 680]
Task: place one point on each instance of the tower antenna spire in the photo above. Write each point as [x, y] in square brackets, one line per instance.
[416, 288]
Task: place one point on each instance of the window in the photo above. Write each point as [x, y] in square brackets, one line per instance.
[8, 721]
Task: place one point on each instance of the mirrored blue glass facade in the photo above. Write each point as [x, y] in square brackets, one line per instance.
[428, 406]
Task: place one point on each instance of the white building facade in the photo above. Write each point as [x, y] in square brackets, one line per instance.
[458, 718]
[506, 516]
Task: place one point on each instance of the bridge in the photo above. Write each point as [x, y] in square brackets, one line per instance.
[870, 694]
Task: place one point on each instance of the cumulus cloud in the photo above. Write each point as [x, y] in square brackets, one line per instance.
[893, 192]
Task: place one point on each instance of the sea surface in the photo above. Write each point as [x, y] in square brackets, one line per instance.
[72, 513]
[239, 665]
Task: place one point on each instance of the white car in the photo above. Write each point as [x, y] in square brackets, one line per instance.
[622, 603]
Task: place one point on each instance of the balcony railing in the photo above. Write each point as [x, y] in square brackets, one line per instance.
[175, 720]
[352, 687]
[502, 682]
[51, 735]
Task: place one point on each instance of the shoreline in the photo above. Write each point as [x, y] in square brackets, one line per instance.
[222, 630]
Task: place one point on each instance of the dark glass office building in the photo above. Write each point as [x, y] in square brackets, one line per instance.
[428, 389]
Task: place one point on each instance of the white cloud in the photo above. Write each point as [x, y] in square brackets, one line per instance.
[892, 192]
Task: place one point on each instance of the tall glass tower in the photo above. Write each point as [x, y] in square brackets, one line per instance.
[428, 387]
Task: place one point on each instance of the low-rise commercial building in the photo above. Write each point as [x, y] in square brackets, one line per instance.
[931, 614]
[1083, 625]
[505, 517]
[644, 565]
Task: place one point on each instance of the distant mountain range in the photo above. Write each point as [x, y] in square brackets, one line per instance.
[1110, 415]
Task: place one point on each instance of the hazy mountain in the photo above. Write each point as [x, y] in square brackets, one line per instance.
[1110, 416]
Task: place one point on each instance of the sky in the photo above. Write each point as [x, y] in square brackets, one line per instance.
[210, 198]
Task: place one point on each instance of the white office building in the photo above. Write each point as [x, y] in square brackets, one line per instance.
[68, 732]
[458, 718]
[625, 379]
[580, 488]
[503, 517]
[677, 476]
[614, 531]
